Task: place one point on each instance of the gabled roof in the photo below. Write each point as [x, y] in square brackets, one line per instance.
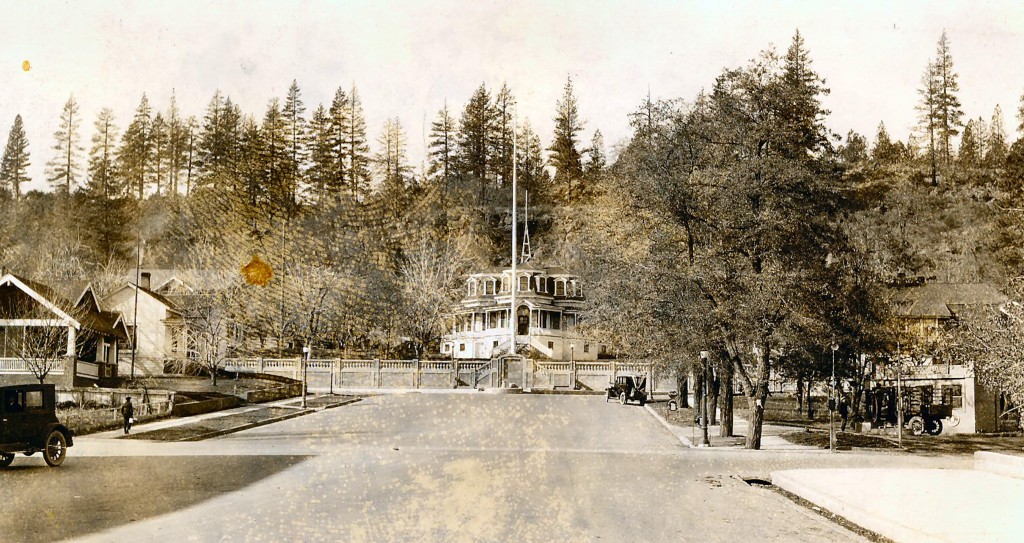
[942, 300]
[43, 294]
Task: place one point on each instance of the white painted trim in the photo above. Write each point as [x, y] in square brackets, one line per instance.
[11, 279]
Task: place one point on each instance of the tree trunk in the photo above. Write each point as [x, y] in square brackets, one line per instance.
[683, 385]
[760, 396]
[713, 393]
[800, 393]
[726, 400]
[810, 400]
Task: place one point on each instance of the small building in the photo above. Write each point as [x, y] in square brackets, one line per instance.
[46, 335]
[923, 310]
[548, 302]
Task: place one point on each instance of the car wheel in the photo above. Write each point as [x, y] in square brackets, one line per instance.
[56, 449]
[622, 398]
[934, 427]
[6, 459]
[916, 425]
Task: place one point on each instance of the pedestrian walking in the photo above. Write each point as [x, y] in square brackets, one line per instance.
[128, 412]
[844, 410]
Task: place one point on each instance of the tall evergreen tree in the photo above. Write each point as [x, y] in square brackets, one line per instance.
[940, 107]
[969, 157]
[63, 168]
[803, 112]
[929, 116]
[596, 160]
[502, 135]
[531, 173]
[218, 140]
[392, 160]
[296, 129]
[177, 145]
[475, 130]
[276, 157]
[996, 147]
[15, 163]
[136, 151]
[158, 163]
[356, 148]
[442, 148]
[884, 151]
[565, 156]
[322, 158]
[339, 128]
[103, 178]
[190, 162]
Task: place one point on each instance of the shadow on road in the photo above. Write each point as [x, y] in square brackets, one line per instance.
[92, 494]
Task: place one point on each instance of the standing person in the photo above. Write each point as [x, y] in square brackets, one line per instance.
[128, 412]
[844, 410]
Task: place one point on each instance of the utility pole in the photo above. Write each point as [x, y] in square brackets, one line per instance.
[704, 441]
[305, 365]
[832, 404]
[135, 307]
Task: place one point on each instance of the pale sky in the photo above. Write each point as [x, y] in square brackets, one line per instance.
[407, 58]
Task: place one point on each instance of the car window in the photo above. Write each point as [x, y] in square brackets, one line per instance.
[14, 401]
[34, 399]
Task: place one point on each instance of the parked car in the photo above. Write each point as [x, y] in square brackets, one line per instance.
[628, 388]
[28, 424]
[920, 415]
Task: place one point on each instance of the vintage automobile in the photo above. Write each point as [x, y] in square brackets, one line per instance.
[628, 388]
[920, 415]
[28, 424]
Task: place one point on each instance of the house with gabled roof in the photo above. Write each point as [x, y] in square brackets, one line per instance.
[155, 322]
[50, 337]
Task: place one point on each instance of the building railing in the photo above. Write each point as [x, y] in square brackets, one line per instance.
[22, 366]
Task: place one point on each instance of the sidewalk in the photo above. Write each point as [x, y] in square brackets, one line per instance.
[922, 505]
[771, 436]
[273, 413]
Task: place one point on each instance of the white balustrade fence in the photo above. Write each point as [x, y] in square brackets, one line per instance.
[364, 373]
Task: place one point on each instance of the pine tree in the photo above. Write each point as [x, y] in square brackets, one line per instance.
[502, 135]
[996, 147]
[103, 178]
[136, 151]
[295, 128]
[392, 160]
[190, 161]
[157, 165]
[532, 174]
[565, 156]
[322, 158]
[803, 112]
[15, 163]
[442, 150]
[63, 169]
[928, 110]
[885, 151]
[339, 127]
[276, 157]
[596, 160]
[217, 144]
[356, 149]
[968, 157]
[856, 149]
[475, 130]
[177, 146]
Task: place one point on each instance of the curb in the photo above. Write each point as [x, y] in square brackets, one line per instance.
[299, 413]
[674, 430]
[861, 517]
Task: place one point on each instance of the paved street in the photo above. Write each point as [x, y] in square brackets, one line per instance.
[420, 467]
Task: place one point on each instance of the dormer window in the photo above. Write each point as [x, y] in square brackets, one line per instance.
[504, 283]
[559, 288]
[524, 282]
[472, 287]
[541, 284]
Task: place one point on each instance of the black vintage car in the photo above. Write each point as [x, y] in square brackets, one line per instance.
[28, 424]
[628, 388]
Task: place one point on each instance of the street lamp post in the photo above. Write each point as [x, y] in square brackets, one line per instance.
[832, 404]
[572, 363]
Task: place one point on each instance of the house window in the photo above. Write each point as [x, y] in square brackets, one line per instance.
[495, 346]
[462, 347]
[524, 283]
[560, 288]
[953, 395]
[551, 345]
[586, 347]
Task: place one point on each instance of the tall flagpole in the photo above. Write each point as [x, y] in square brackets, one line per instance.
[513, 318]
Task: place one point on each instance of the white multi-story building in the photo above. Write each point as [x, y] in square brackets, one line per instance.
[547, 301]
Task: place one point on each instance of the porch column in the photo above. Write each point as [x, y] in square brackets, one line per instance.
[71, 341]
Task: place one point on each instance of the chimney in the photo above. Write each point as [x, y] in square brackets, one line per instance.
[145, 281]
